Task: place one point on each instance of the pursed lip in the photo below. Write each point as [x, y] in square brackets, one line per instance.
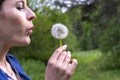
[30, 30]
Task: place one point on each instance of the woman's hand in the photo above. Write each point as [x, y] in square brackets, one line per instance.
[60, 66]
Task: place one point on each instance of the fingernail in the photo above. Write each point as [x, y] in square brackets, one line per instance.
[69, 52]
[64, 47]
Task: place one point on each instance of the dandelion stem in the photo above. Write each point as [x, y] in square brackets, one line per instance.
[60, 42]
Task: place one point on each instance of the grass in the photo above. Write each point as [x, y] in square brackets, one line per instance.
[88, 68]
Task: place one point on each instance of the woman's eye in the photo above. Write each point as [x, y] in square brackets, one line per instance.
[20, 8]
[20, 5]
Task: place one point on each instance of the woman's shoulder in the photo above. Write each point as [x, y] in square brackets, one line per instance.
[3, 75]
[16, 65]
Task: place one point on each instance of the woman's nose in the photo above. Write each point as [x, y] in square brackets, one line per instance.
[30, 14]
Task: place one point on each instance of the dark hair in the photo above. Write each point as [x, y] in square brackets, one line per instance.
[1, 2]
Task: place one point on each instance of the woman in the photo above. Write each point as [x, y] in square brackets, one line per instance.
[15, 29]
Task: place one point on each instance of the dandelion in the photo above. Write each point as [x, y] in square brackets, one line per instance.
[59, 31]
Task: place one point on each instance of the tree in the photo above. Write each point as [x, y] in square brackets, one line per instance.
[96, 25]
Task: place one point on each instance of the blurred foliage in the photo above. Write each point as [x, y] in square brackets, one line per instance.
[34, 69]
[42, 43]
[98, 27]
[91, 26]
[88, 67]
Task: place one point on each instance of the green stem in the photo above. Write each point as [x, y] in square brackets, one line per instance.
[60, 42]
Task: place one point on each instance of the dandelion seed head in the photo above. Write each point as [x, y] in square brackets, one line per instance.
[59, 31]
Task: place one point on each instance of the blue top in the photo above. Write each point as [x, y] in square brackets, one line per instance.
[16, 67]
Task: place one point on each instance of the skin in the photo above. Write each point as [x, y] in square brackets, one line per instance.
[60, 66]
[15, 29]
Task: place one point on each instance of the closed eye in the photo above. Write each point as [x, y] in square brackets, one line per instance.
[20, 5]
[20, 8]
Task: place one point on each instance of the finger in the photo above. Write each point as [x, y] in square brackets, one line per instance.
[61, 57]
[67, 59]
[57, 52]
[72, 66]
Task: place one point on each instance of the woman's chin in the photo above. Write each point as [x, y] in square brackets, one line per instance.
[27, 42]
[20, 42]
[24, 42]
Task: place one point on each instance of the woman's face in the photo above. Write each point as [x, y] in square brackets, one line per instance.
[15, 23]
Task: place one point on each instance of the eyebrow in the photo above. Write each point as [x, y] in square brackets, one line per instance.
[20, 1]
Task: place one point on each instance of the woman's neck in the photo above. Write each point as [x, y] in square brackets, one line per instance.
[3, 52]
[4, 65]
